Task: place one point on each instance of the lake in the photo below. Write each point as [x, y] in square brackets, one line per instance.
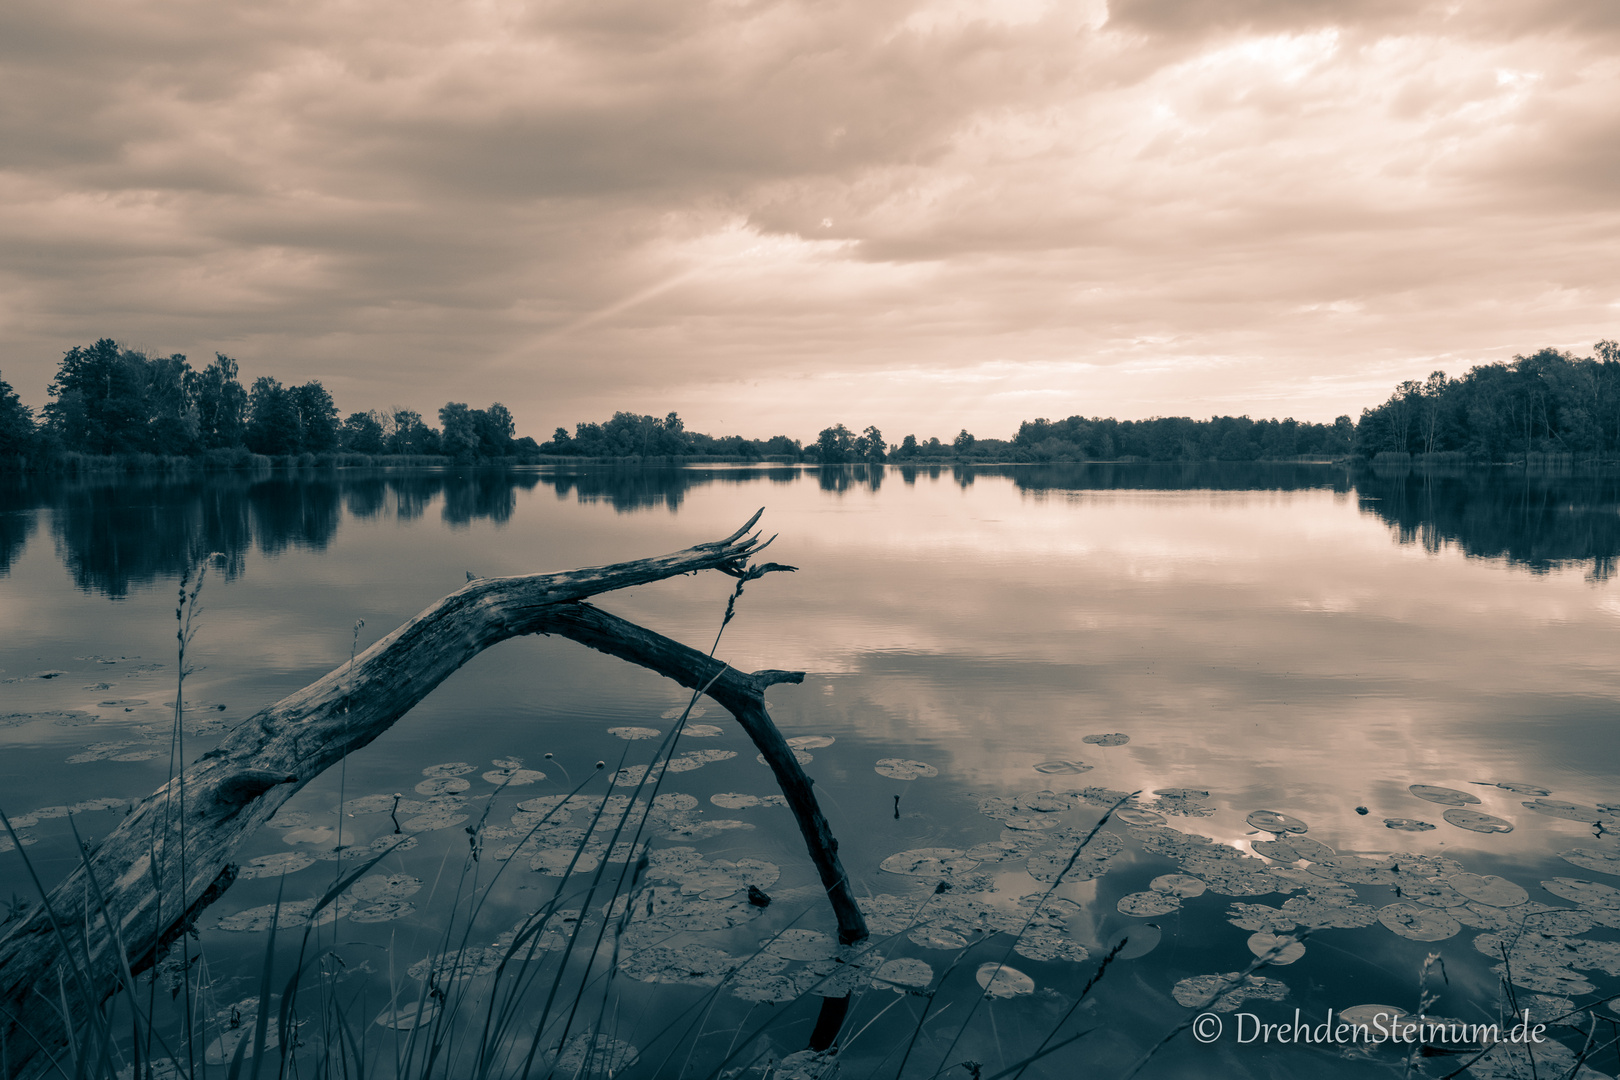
[1419, 670]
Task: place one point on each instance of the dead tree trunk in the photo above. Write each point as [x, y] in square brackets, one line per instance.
[154, 884]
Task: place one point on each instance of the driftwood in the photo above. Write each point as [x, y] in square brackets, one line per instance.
[232, 790]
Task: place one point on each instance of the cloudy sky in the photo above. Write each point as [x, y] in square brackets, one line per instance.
[770, 215]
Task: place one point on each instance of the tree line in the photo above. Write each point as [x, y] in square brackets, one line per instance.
[110, 400]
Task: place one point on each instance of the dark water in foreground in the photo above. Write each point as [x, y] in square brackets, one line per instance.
[1296, 639]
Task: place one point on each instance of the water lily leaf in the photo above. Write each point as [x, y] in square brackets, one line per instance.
[286, 862]
[929, 862]
[1182, 885]
[1524, 789]
[811, 742]
[1604, 862]
[1090, 863]
[937, 937]
[1279, 949]
[1001, 981]
[368, 804]
[1112, 739]
[292, 914]
[1588, 894]
[442, 785]
[1567, 810]
[1403, 824]
[1136, 816]
[1272, 822]
[1224, 993]
[382, 911]
[903, 974]
[1488, 889]
[449, 768]
[1443, 795]
[803, 757]
[692, 965]
[1063, 768]
[1147, 904]
[1418, 922]
[904, 769]
[701, 731]
[796, 944]
[1474, 821]
[1047, 944]
[432, 821]
[1324, 912]
[318, 834]
[513, 777]
[1355, 870]
[634, 733]
[385, 887]
[587, 1055]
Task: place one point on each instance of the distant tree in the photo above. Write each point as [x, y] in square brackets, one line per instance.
[17, 435]
[908, 448]
[317, 418]
[272, 426]
[221, 403]
[835, 444]
[459, 438]
[870, 445]
[496, 429]
[362, 433]
[963, 443]
[96, 401]
[409, 435]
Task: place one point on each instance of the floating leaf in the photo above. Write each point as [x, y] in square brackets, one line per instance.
[1418, 922]
[937, 937]
[513, 777]
[432, 821]
[929, 862]
[902, 974]
[798, 944]
[803, 757]
[1224, 993]
[1001, 981]
[442, 785]
[1134, 941]
[1567, 810]
[700, 731]
[1272, 822]
[374, 887]
[1524, 789]
[1375, 1021]
[1182, 885]
[904, 769]
[811, 742]
[1403, 824]
[1112, 739]
[692, 965]
[1588, 894]
[369, 804]
[1443, 795]
[1144, 905]
[407, 1017]
[1356, 870]
[1047, 944]
[382, 911]
[1278, 949]
[601, 1053]
[318, 834]
[449, 768]
[286, 862]
[1063, 768]
[1604, 862]
[1474, 821]
[633, 734]
[1488, 889]
[1134, 816]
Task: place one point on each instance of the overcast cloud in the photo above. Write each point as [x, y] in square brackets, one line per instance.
[771, 215]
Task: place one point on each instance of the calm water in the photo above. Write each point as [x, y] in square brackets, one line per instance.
[1296, 639]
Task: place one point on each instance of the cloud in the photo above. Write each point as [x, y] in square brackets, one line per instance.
[929, 214]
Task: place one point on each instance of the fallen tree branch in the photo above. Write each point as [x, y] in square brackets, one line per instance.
[233, 789]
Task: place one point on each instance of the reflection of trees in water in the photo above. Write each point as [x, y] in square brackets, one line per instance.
[634, 487]
[118, 532]
[1539, 520]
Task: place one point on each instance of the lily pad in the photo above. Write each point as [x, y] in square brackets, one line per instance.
[1418, 922]
[1224, 993]
[1001, 981]
[796, 944]
[803, 757]
[937, 937]
[1474, 821]
[1135, 816]
[286, 862]
[1278, 949]
[315, 834]
[1524, 789]
[1063, 768]
[903, 974]
[1182, 885]
[449, 768]
[811, 742]
[432, 821]
[382, 911]
[1567, 810]
[1112, 739]
[1272, 822]
[1443, 795]
[512, 777]
[701, 731]
[929, 862]
[605, 1056]
[1047, 944]
[1144, 905]
[1403, 824]
[1604, 862]
[691, 965]
[634, 733]
[904, 769]
[1588, 894]
[1489, 889]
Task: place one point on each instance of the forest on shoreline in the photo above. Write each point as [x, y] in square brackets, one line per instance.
[112, 406]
